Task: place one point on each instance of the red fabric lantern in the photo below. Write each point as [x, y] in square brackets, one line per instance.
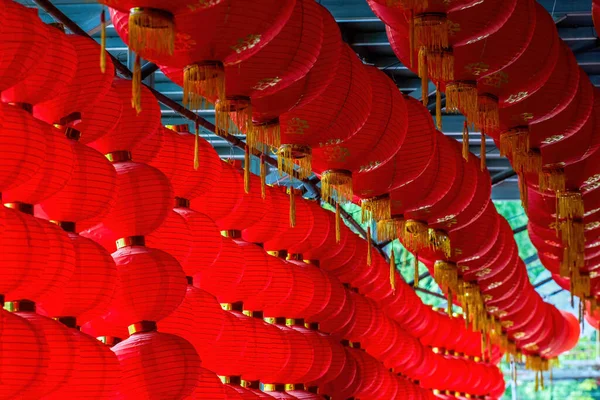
[320, 229]
[199, 319]
[373, 145]
[256, 277]
[300, 295]
[100, 118]
[87, 86]
[82, 297]
[346, 383]
[338, 113]
[28, 41]
[143, 199]
[173, 236]
[206, 241]
[273, 222]
[22, 146]
[226, 356]
[323, 354]
[277, 291]
[133, 127]
[249, 210]
[144, 357]
[151, 285]
[62, 347]
[291, 235]
[209, 387]
[302, 356]
[338, 362]
[221, 199]
[53, 72]
[82, 198]
[25, 357]
[25, 246]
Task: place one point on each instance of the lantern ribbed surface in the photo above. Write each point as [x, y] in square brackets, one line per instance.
[100, 118]
[302, 356]
[209, 387]
[157, 366]
[291, 236]
[173, 236]
[323, 354]
[250, 210]
[199, 319]
[53, 72]
[257, 275]
[150, 285]
[28, 41]
[143, 200]
[272, 222]
[222, 278]
[54, 173]
[63, 351]
[227, 356]
[132, 127]
[221, 199]
[25, 357]
[83, 198]
[22, 146]
[87, 86]
[278, 289]
[267, 353]
[88, 293]
[25, 248]
[319, 233]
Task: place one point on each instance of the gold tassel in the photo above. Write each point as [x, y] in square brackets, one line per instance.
[268, 133]
[103, 41]
[411, 38]
[369, 259]
[414, 235]
[416, 279]
[465, 141]
[570, 205]
[292, 207]
[438, 108]
[290, 155]
[440, 241]
[482, 153]
[393, 270]
[263, 177]
[537, 382]
[424, 75]
[336, 184]
[553, 179]
[462, 97]
[197, 147]
[338, 228]
[440, 65]
[247, 169]
[431, 31]
[514, 143]
[136, 85]
[205, 79]
[230, 109]
[488, 115]
[542, 379]
[150, 28]
[376, 208]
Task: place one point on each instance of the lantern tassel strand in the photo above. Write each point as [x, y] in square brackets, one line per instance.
[292, 207]
[369, 256]
[247, 169]
[197, 148]
[338, 232]
[136, 85]
[424, 75]
[416, 279]
[393, 270]
[103, 41]
[263, 177]
[438, 108]
[465, 141]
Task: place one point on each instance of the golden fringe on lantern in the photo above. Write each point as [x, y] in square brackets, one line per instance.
[393, 270]
[446, 275]
[440, 241]
[572, 234]
[150, 28]
[514, 141]
[438, 108]
[103, 41]
[570, 205]
[204, 79]
[465, 141]
[462, 97]
[263, 177]
[552, 179]
[523, 191]
[416, 269]
[338, 224]
[290, 155]
[226, 111]
[473, 305]
[414, 235]
[246, 169]
[488, 114]
[571, 261]
[388, 229]
[440, 65]
[369, 258]
[377, 208]
[431, 31]
[292, 207]
[267, 133]
[528, 161]
[136, 85]
[424, 75]
[336, 184]
[580, 284]
[197, 147]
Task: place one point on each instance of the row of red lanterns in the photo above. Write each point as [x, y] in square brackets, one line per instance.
[81, 202]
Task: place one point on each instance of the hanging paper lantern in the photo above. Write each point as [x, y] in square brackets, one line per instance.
[291, 235]
[221, 199]
[249, 210]
[347, 381]
[87, 86]
[53, 72]
[374, 144]
[23, 146]
[256, 277]
[173, 236]
[133, 127]
[273, 222]
[199, 319]
[82, 198]
[151, 285]
[226, 356]
[25, 357]
[300, 295]
[53, 174]
[338, 113]
[100, 118]
[144, 357]
[28, 41]
[323, 354]
[301, 357]
[82, 297]
[281, 280]
[209, 387]
[62, 346]
[143, 198]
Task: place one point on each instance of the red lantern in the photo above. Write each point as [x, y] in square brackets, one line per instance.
[347, 381]
[256, 277]
[301, 357]
[323, 354]
[82, 297]
[144, 357]
[320, 230]
[373, 145]
[22, 146]
[226, 356]
[272, 222]
[25, 357]
[143, 199]
[87, 86]
[53, 72]
[82, 198]
[151, 285]
[173, 236]
[100, 118]
[277, 291]
[250, 209]
[291, 235]
[338, 113]
[221, 199]
[209, 387]
[199, 319]
[28, 41]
